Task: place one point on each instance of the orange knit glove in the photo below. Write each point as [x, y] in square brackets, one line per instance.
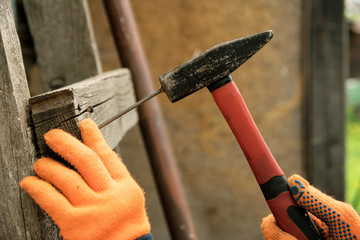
[98, 201]
[334, 219]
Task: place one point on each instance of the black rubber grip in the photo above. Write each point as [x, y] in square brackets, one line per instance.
[302, 219]
[276, 185]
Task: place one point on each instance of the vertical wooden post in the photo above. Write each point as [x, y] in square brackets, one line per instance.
[64, 41]
[325, 113]
[19, 215]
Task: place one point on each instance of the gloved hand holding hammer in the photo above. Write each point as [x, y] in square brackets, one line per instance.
[334, 219]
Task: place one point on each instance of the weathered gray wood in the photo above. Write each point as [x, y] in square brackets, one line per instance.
[99, 98]
[67, 53]
[19, 214]
[325, 68]
[64, 41]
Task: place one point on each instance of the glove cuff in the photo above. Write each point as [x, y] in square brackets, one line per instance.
[148, 236]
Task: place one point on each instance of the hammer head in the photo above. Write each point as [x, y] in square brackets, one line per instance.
[211, 65]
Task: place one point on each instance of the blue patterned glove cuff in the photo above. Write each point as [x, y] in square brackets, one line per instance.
[148, 236]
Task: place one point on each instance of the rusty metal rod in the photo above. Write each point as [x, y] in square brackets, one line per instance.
[152, 123]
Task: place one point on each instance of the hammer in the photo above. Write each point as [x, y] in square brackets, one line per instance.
[212, 69]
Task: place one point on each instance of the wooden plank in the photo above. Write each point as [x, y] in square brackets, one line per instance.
[99, 98]
[325, 72]
[19, 214]
[64, 41]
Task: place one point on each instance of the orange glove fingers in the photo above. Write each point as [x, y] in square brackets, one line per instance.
[272, 231]
[94, 139]
[66, 180]
[46, 196]
[323, 229]
[86, 162]
[341, 218]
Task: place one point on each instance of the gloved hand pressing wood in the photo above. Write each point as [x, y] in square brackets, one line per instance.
[98, 201]
[334, 219]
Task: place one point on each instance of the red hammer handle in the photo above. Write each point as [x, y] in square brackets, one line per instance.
[268, 174]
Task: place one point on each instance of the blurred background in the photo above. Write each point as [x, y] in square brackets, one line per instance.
[352, 87]
[302, 88]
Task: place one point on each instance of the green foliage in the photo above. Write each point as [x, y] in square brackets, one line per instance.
[353, 159]
[351, 10]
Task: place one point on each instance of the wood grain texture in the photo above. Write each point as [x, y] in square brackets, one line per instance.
[325, 116]
[99, 98]
[19, 214]
[64, 41]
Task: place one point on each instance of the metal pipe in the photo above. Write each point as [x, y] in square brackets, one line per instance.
[152, 123]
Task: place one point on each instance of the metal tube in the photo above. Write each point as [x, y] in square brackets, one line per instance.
[152, 123]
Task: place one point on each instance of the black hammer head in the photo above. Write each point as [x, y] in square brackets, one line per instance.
[212, 65]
